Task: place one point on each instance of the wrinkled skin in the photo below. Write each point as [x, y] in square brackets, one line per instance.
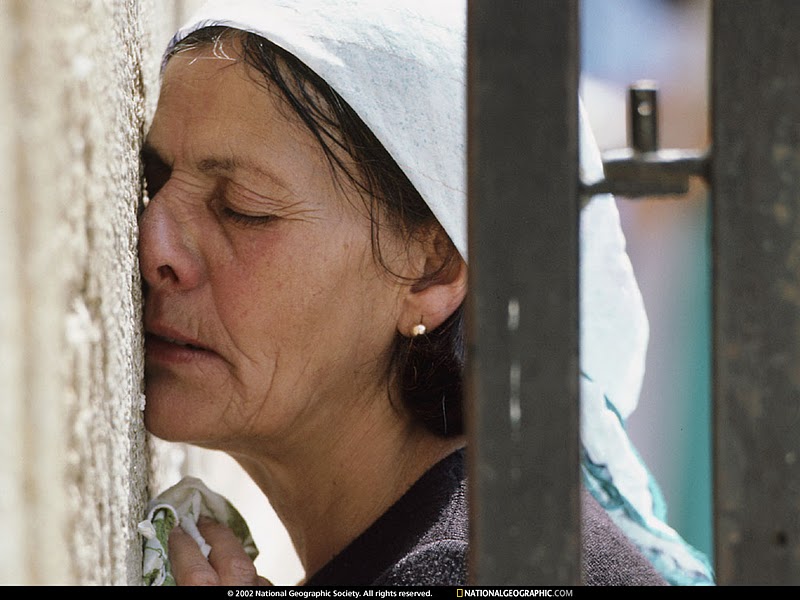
[251, 251]
[269, 322]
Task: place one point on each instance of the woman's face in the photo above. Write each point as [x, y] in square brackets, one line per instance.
[265, 312]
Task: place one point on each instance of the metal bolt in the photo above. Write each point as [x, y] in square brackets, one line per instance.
[643, 116]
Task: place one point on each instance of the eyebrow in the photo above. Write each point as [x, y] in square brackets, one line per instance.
[216, 165]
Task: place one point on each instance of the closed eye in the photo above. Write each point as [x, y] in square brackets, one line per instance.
[243, 219]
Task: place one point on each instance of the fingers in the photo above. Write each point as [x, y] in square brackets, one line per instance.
[189, 566]
[227, 564]
[228, 557]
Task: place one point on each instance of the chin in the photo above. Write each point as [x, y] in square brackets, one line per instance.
[163, 426]
[169, 418]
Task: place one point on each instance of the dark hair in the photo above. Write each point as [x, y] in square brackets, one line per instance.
[430, 367]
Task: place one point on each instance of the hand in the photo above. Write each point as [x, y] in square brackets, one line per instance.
[227, 564]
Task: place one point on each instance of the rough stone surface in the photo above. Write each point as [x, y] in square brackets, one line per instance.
[12, 475]
[78, 88]
[74, 103]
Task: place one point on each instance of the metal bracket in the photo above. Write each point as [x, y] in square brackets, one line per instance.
[643, 169]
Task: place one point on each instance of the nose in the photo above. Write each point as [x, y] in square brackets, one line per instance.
[168, 256]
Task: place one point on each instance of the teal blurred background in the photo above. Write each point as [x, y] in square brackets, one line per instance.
[668, 240]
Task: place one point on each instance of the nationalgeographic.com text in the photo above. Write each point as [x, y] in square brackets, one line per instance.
[513, 593]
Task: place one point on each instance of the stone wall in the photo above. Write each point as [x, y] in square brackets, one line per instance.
[77, 85]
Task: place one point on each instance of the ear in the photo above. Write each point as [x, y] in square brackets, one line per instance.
[441, 289]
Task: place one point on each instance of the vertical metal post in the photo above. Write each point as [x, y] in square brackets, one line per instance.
[523, 303]
[756, 247]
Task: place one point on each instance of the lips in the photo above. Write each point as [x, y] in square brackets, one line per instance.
[177, 342]
[165, 345]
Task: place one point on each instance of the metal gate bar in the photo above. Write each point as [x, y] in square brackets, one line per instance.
[755, 183]
[523, 304]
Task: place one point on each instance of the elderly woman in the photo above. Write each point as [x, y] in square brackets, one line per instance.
[304, 281]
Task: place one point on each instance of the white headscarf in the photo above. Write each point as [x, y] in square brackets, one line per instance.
[401, 65]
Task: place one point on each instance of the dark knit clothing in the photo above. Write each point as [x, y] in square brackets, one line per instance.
[609, 556]
[423, 540]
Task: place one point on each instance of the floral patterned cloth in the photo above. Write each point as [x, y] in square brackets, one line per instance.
[184, 503]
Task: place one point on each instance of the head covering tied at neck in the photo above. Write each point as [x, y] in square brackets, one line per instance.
[401, 65]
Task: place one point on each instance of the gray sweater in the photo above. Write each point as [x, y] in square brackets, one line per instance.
[423, 540]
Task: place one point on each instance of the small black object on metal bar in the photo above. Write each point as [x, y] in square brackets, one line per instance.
[643, 169]
[643, 116]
